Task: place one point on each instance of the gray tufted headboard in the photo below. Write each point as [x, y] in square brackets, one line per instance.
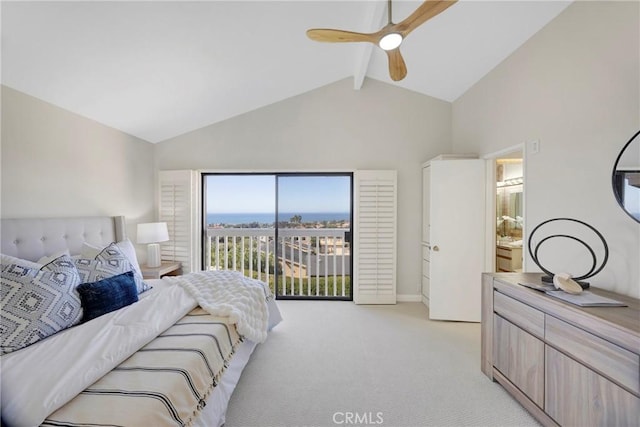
[33, 238]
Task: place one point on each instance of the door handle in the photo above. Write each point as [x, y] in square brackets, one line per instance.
[436, 248]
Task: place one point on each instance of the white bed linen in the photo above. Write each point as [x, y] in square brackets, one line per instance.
[40, 378]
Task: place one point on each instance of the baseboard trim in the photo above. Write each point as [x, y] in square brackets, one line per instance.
[408, 298]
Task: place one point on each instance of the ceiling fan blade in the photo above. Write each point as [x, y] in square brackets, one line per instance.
[422, 14]
[397, 67]
[340, 36]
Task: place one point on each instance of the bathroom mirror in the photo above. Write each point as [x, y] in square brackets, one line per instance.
[509, 211]
[626, 177]
[515, 202]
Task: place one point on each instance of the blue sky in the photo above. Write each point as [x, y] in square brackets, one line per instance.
[256, 194]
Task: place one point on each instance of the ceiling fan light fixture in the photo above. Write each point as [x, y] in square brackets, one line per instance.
[390, 41]
[390, 37]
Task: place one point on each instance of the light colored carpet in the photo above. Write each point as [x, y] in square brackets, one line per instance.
[387, 365]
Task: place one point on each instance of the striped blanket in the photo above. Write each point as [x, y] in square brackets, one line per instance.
[165, 383]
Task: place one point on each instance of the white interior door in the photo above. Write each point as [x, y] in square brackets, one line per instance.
[457, 215]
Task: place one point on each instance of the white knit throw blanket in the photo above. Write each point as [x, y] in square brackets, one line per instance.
[231, 294]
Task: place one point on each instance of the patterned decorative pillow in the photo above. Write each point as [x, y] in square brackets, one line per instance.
[114, 257]
[36, 303]
[110, 262]
[66, 264]
[107, 295]
[90, 251]
[92, 270]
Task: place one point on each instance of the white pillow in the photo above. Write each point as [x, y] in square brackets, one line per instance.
[47, 259]
[8, 259]
[91, 252]
[130, 252]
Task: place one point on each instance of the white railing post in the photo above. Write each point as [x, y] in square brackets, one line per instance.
[343, 266]
[250, 255]
[266, 267]
[259, 255]
[284, 274]
[308, 275]
[233, 249]
[217, 253]
[242, 255]
[317, 266]
[293, 276]
[326, 266]
[226, 252]
[335, 275]
[300, 283]
[207, 258]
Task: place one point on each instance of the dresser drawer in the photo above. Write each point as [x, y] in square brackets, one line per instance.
[522, 315]
[619, 365]
[503, 264]
[503, 252]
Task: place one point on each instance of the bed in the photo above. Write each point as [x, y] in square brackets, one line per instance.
[172, 357]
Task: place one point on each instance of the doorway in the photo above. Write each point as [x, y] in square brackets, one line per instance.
[291, 230]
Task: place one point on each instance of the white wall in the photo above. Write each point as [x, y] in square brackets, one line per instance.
[332, 128]
[575, 87]
[56, 163]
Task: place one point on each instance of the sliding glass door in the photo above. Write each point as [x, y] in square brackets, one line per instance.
[290, 230]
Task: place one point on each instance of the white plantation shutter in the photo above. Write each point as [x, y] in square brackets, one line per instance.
[375, 237]
[178, 206]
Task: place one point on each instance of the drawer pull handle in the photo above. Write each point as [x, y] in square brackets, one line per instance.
[436, 248]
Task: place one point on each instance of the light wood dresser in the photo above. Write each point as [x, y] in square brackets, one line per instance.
[567, 365]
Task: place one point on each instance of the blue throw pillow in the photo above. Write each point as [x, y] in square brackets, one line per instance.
[107, 295]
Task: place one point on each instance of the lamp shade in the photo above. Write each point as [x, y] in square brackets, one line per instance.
[153, 232]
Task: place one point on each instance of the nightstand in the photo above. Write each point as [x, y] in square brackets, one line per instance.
[167, 268]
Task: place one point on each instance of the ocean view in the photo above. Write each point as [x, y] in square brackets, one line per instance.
[268, 218]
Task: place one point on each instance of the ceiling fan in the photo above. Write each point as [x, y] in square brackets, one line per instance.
[390, 36]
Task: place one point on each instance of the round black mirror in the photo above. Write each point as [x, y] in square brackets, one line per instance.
[626, 177]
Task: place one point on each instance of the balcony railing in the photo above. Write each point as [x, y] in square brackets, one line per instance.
[307, 263]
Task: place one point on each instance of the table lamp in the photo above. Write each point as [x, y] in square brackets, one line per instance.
[152, 233]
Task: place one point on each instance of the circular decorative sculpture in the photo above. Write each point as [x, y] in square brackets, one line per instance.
[595, 269]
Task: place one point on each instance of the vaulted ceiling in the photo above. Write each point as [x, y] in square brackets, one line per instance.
[159, 69]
